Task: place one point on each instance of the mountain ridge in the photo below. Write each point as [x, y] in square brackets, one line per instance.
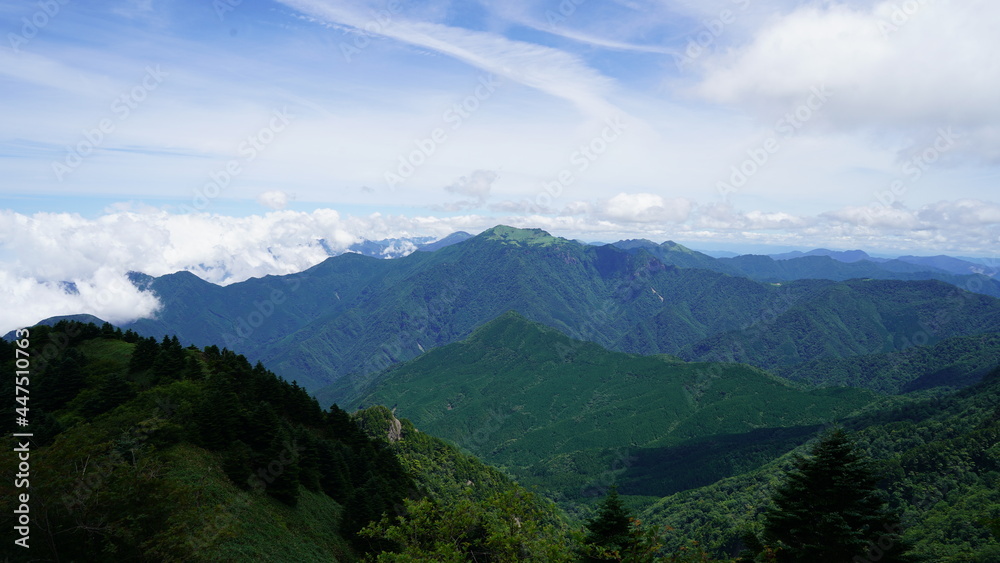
[352, 314]
[552, 409]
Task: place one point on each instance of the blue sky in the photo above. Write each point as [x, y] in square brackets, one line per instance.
[719, 123]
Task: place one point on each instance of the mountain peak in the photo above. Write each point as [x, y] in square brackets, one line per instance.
[517, 236]
[511, 323]
[676, 247]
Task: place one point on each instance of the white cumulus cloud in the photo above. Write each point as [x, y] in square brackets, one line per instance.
[477, 185]
[646, 208]
[274, 199]
[911, 66]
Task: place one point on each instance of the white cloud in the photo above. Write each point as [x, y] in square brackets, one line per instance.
[910, 71]
[645, 208]
[723, 216]
[274, 199]
[877, 216]
[106, 293]
[399, 248]
[39, 252]
[477, 185]
[549, 70]
[962, 213]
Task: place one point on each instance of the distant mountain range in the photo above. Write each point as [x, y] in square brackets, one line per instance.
[826, 264]
[691, 382]
[748, 264]
[399, 247]
[355, 315]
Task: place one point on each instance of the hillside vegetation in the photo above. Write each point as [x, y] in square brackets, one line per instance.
[558, 413]
[147, 451]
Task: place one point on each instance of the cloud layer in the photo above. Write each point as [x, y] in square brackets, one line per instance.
[59, 264]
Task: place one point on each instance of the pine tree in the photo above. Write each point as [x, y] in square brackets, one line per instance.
[62, 381]
[144, 354]
[111, 392]
[610, 529]
[830, 510]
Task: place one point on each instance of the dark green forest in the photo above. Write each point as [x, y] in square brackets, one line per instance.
[147, 450]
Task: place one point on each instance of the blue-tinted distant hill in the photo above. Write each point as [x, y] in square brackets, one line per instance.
[453, 238]
[824, 264]
[947, 263]
[838, 255]
[356, 315]
[51, 321]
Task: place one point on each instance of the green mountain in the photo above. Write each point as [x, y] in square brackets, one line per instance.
[557, 412]
[146, 451]
[674, 254]
[357, 315]
[951, 363]
[853, 318]
[800, 266]
[353, 314]
[941, 465]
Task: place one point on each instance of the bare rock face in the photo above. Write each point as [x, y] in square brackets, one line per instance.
[380, 422]
[395, 430]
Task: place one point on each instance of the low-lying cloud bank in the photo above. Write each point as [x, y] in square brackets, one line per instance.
[60, 264]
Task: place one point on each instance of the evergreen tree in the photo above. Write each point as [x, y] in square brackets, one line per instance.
[830, 510]
[610, 530]
[169, 363]
[237, 462]
[146, 350]
[62, 381]
[111, 392]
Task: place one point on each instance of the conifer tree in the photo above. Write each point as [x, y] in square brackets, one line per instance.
[611, 528]
[146, 350]
[830, 510]
[111, 392]
[62, 381]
